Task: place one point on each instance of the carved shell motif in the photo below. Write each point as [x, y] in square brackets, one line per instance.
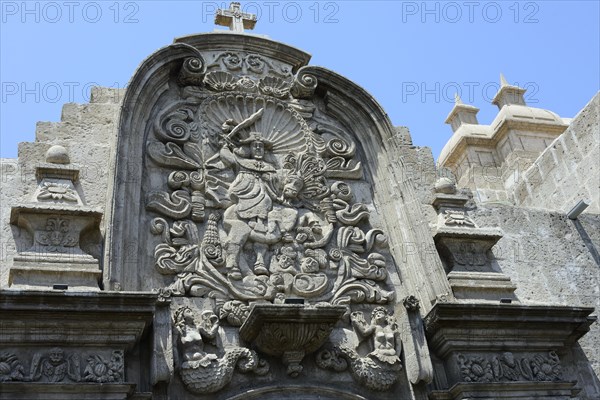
[220, 81]
[279, 124]
[273, 86]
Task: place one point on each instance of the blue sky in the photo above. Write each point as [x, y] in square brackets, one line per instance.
[412, 56]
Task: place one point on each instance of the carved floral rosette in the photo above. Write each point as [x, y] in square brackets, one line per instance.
[257, 201]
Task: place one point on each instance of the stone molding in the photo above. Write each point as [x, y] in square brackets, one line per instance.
[491, 327]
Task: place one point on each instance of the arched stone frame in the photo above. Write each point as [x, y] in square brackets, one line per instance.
[418, 269]
[411, 244]
[306, 391]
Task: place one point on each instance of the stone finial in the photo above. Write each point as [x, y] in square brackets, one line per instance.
[508, 94]
[57, 155]
[445, 185]
[462, 114]
[235, 19]
[457, 99]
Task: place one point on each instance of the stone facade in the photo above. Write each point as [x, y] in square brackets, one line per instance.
[237, 224]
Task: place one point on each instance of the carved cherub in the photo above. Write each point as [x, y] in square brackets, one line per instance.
[191, 337]
[55, 367]
[383, 332]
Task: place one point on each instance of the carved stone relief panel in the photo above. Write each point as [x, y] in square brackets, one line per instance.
[506, 367]
[63, 238]
[61, 365]
[257, 196]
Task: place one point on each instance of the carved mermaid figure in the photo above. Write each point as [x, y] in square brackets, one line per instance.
[203, 372]
[191, 337]
[379, 369]
[383, 332]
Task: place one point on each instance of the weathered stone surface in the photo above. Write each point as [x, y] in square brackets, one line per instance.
[567, 171]
[261, 230]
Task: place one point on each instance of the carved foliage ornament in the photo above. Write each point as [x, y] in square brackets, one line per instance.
[57, 366]
[57, 235]
[506, 367]
[11, 368]
[258, 201]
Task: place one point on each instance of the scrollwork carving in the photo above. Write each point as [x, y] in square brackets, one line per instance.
[304, 85]
[175, 205]
[178, 126]
[171, 155]
[192, 71]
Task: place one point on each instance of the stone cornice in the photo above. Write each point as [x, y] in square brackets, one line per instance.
[450, 156]
[82, 318]
[477, 327]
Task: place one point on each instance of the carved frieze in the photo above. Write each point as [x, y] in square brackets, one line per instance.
[57, 365]
[11, 368]
[505, 367]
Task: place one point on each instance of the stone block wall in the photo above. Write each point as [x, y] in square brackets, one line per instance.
[568, 170]
[546, 255]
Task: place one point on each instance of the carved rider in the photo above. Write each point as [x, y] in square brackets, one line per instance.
[252, 193]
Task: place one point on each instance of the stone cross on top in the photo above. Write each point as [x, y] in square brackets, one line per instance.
[235, 19]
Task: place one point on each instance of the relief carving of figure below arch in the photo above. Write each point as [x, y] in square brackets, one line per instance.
[283, 225]
[253, 217]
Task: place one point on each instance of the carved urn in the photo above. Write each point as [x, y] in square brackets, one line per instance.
[290, 331]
